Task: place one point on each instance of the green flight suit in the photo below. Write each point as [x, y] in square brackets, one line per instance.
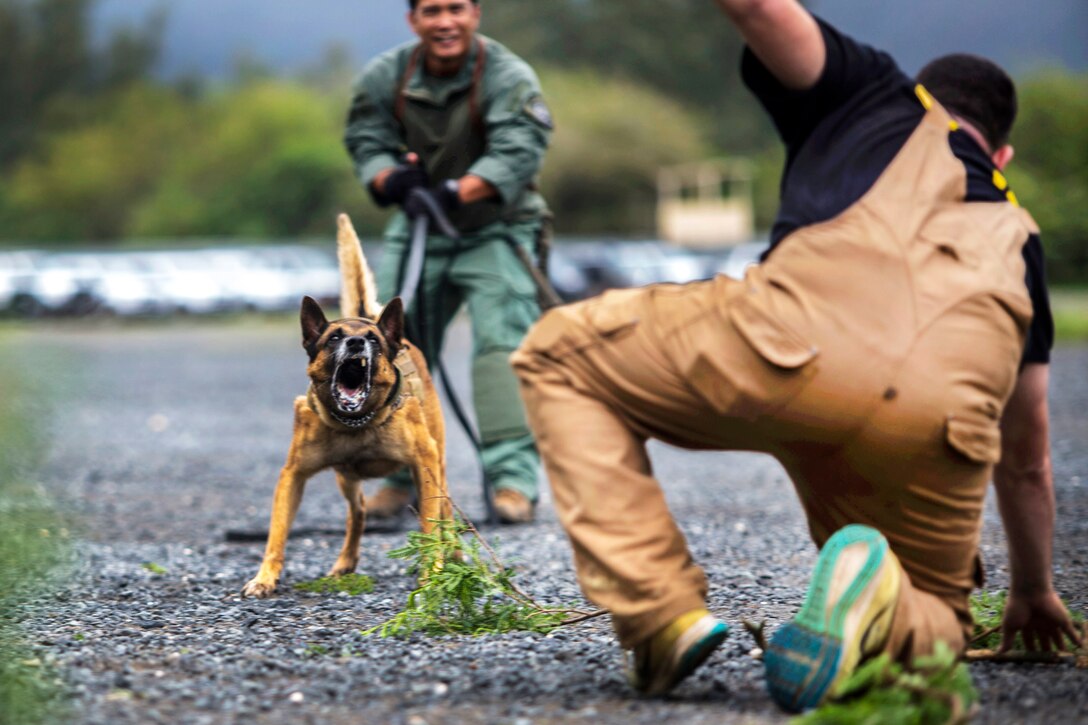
[490, 121]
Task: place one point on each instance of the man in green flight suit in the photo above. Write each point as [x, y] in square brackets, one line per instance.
[460, 118]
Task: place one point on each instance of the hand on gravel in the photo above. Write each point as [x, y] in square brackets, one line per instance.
[1042, 621]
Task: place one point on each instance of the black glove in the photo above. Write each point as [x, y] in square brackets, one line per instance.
[435, 203]
[399, 183]
[444, 195]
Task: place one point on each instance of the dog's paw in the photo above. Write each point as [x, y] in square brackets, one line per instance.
[340, 569]
[258, 589]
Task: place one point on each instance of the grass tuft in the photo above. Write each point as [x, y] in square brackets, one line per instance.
[466, 589]
[936, 690]
[353, 584]
[988, 609]
[29, 691]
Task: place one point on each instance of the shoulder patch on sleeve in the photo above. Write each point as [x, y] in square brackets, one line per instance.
[536, 109]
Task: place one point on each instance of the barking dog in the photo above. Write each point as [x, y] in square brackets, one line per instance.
[370, 410]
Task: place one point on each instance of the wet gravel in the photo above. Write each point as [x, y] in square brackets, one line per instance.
[164, 437]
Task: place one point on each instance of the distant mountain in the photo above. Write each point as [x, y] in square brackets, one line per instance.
[1019, 34]
[207, 36]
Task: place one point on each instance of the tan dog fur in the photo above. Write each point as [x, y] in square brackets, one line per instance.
[403, 424]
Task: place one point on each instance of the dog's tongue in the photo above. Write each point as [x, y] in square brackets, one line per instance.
[348, 392]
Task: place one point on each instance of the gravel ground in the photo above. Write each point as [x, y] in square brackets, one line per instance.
[163, 437]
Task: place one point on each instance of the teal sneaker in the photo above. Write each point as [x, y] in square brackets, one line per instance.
[847, 616]
[675, 652]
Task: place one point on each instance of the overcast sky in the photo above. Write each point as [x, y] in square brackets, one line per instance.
[207, 35]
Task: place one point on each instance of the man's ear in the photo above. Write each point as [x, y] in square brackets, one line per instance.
[313, 324]
[391, 324]
[1002, 157]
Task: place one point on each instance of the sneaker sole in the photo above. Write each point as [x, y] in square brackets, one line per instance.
[691, 650]
[808, 657]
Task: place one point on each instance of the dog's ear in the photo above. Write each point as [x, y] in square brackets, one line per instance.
[391, 324]
[313, 324]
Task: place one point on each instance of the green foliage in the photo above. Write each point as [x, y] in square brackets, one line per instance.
[1050, 170]
[685, 50]
[463, 592]
[353, 584]
[266, 161]
[988, 609]
[611, 137]
[48, 60]
[1070, 307]
[935, 690]
[86, 181]
[31, 542]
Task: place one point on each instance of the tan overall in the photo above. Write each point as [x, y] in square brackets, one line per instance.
[871, 354]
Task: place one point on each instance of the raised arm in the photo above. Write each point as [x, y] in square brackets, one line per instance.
[783, 35]
[1025, 498]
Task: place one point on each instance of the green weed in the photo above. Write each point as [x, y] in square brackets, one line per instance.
[988, 609]
[353, 584]
[466, 589]
[29, 692]
[936, 690]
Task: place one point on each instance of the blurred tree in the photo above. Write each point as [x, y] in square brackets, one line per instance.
[1050, 171]
[83, 182]
[268, 163]
[600, 175]
[682, 48]
[46, 55]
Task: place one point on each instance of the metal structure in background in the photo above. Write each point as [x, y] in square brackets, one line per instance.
[706, 204]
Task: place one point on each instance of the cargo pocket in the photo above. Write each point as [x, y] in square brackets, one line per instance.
[976, 439]
[757, 372]
[774, 342]
[570, 328]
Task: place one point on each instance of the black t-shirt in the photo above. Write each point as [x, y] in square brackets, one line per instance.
[841, 135]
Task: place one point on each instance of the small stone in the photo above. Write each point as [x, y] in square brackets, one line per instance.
[297, 697]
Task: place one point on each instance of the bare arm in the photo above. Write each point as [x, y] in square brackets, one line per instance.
[783, 35]
[1025, 498]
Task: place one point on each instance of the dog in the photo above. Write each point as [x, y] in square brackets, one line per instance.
[371, 409]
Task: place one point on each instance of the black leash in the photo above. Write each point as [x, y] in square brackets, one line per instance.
[410, 287]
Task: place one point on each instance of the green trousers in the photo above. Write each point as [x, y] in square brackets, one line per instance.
[482, 272]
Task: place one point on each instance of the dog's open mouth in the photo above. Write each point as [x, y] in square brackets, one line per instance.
[351, 384]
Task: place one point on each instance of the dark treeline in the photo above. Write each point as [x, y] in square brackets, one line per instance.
[94, 148]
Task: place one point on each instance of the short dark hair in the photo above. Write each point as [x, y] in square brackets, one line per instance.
[413, 3]
[975, 89]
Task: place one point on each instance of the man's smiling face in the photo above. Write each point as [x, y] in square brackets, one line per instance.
[446, 29]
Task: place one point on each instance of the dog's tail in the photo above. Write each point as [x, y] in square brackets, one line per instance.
[358, 293]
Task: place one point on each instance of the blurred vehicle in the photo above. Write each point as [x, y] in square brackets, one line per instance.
[567, 276]
[62, 284]
[129, 284]
[246, 283]
[186, 283]
[17, 270]
[305, 271]
[275, 278]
